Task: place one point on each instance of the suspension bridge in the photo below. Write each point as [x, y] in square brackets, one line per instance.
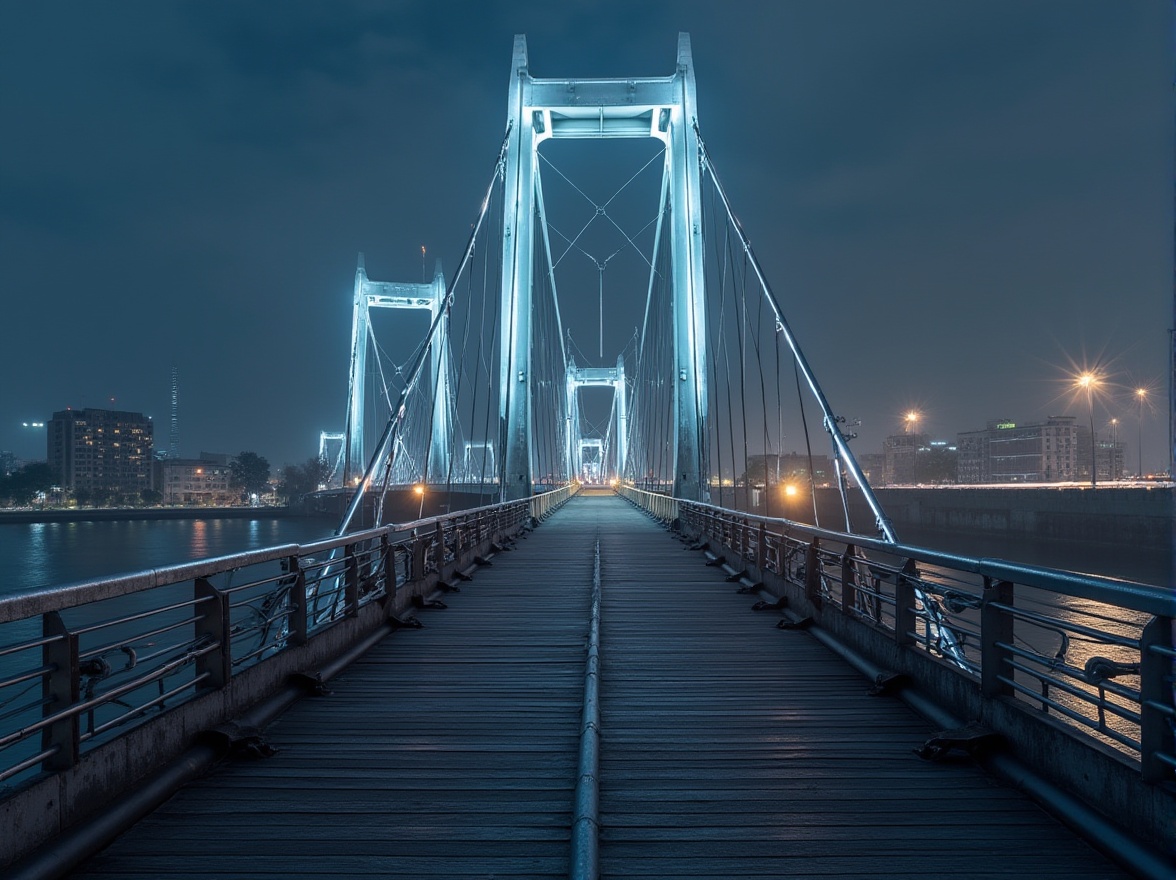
[558, 637]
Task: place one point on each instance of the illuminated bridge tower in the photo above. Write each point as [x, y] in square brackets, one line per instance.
[597, 377]
[630, 107]
[370, 295]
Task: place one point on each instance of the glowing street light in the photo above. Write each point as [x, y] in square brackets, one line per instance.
[912, 421]
[1087, 382]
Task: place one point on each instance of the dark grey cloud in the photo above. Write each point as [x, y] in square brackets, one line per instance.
[951, 198]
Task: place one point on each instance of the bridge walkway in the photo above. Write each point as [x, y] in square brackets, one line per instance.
[730, 748]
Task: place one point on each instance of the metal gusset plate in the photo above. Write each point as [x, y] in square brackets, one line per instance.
[971, 740]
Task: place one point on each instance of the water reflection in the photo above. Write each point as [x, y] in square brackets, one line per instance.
[35, 555]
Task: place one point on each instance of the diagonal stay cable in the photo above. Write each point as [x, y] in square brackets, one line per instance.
[601, 210]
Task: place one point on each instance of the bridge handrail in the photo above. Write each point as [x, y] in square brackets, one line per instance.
[1137, 596]
[92, 662]
[1013, 642]
[27, 603]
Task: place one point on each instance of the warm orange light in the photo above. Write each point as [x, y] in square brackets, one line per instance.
[790, 490]
[418, 489]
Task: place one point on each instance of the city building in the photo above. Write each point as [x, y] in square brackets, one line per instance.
[791, 466]
[101, 451]
[195, 481]
[1005, 452]
[900, 453]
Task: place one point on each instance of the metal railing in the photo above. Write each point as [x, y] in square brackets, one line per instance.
[1094, 652]
[83, 664]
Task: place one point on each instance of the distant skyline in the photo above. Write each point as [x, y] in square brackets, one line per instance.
[960, 205]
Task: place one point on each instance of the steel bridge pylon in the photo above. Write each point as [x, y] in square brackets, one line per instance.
[429, 296]
[597, 377]
[626, 107]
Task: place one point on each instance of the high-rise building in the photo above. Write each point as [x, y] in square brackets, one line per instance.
[100, 450]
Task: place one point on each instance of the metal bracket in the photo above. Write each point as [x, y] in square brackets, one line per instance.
[803, 623]
[422, 602]
[239, 740]
[312, 684]
[482, 560]
[717, 561]
[751, 587]
[447, 587]
[738, 576]
[888, 683]
[779, 605]
[973, 740]
[409, 622]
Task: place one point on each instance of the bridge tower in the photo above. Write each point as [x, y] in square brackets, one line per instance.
[599, 377]
[628, 107]
[429, 296]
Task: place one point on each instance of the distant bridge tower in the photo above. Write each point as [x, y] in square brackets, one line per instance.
[389, 295]
[658, 107]
[601, 377]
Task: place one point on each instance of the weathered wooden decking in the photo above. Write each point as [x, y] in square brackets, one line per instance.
[730, 748]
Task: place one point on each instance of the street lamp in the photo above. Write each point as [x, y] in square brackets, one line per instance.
[1114, 451]
[1087, 382]
[1141, 396]
[912, 427]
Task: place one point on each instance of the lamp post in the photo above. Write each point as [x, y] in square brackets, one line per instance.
[912, 427]
[1141, 396]
[1087, 382]
[1113, 453]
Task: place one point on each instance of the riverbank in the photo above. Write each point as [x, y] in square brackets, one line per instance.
[111, 514]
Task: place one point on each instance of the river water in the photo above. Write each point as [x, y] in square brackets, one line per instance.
[37, 555]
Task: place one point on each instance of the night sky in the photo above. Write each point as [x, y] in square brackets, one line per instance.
[957, 202]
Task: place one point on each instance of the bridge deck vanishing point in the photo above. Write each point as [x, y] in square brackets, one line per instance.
[729, 748]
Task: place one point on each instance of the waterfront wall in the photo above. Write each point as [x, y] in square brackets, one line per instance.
[1108, 516]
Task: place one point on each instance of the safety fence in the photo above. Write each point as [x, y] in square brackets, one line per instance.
[85, 664]
[1094, 652]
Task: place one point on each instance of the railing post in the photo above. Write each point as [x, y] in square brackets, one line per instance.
[904, 604]
[996, 632]
[350, 582]
[61, 689]
[1157, 697]
[418, 556]
[761, 548]
[213, 624]
[461, 527]
[439, 548]
[387, 564]
[812, 573]
[299, 619]
[848, 600]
